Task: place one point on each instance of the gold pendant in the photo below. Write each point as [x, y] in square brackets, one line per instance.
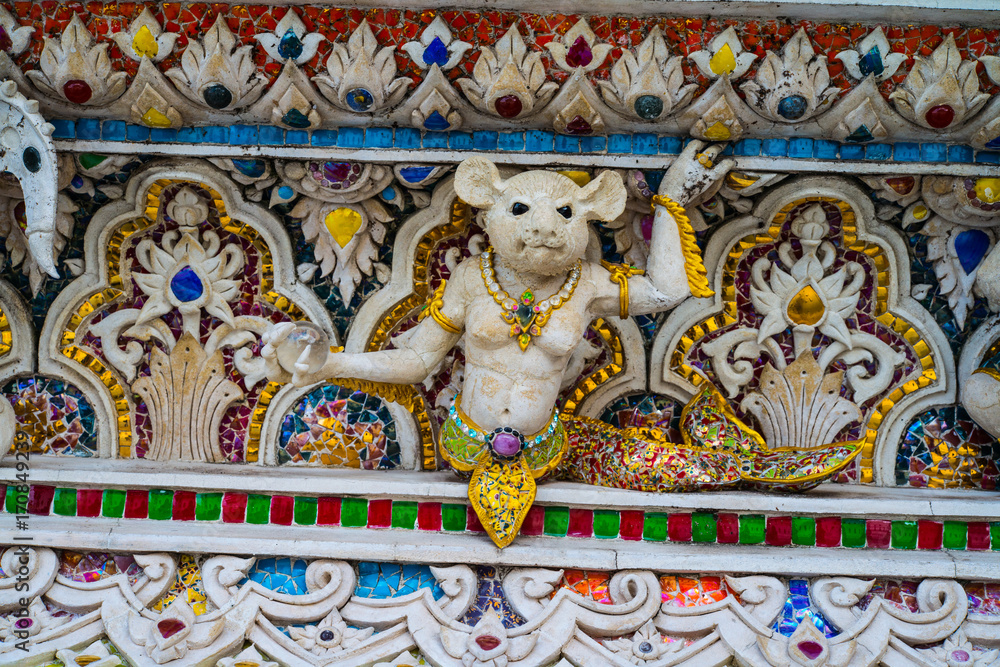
[501, 492]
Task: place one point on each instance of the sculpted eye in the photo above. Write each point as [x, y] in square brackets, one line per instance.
[565, 211]
[519, 208]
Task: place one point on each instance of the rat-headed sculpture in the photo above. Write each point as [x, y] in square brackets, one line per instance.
[523, 306]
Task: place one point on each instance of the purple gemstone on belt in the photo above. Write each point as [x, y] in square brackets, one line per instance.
[506, 444]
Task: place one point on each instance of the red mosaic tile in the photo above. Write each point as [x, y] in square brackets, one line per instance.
[328, 511]
[828, 531]
[282, 510]
[472, 522]
[40, 499]
[679, 527]
[727, 527]
[632, 522]
[879, 533]
[929, 534]
[380, 513]
[534, 523]
[429, 516]
[234, 507]
[88, 502]
[136, 504]
[779, 531]
[184, 503]
[581, 523]
[979, 534]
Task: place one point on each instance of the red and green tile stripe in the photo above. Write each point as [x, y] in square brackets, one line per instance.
[548, 520]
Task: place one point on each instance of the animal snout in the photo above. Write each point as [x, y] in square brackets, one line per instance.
[542, 230]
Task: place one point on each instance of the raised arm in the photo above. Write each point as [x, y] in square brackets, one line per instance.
[411, 362]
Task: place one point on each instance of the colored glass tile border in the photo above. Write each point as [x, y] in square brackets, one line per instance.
[529, 141]
[548, 520]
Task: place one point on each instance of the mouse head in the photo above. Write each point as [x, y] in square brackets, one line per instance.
[538, 220]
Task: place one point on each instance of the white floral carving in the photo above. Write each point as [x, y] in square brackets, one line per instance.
[20, 36]
[877, 47]
[330, 636]
[651, 71]
[75, 58]
[724, 47]
[646, 645]
[582, 37]
[145, 29]
[794, 87]
[436, 30]
[95, 655]
[487, 645]
[291, 24]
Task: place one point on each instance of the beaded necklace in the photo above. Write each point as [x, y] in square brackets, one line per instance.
[526, 317]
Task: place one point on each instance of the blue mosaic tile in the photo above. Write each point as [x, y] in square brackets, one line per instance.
[987, 157]
[593, 144]
[539, 141]
[217, 134]
[88, 128]
[567, 144]
[459, 141]
[191, 135]
[878, 151]
[407, 138]
[324, 138]
[243, 135]
[389, 580]
[350, 137]
[645, 144]
[774, 147]
[798, 608]
[281, 575]
[438, 140]
[825, 150]
[490, 595]
[65, 129]
[485, 141]
[671, 145]
[163, 135]
[296, 137]
[933, 152]
[852, 152]
[620, 143]
[113, 130]
[270, 135]
[378, 137]
[959, 154]
[907, 152]
[511, 141]
[800, 147]
[137, 133]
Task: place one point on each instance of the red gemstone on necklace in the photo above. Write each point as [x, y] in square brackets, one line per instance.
[77, 91]
[508, 106]
[579, 54]
[940, 117]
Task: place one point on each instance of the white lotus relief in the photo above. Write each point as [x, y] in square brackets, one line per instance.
[646, 645]
[487, 645]
[12, 226]
[95, 655]
[725, 56]
[145, 38]
[215, 73]
[176, 631]
[794, 87]
[578, 50]
[957, 252]
[437, 46]
[73, 68]
[508, 81]
[958, 651]
[361, 77]
[290, 41]
[15, 627]
[330, 636]
[872, 57]
[19, 36]
[807, 647]
[942, 90]
[249, 657]
[648, 84]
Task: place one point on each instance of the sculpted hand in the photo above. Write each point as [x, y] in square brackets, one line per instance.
[272, 339]
[694, 172]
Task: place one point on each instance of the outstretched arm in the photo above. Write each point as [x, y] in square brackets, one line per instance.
[411, 362]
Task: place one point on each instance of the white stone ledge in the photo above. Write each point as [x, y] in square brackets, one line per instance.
[520, 158]
[434, 548]
[828, 499]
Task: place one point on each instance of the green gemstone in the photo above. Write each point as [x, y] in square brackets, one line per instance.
[527, 297]
[258, 509]
[453, 516]
[804, 531]
[524, 339]
[404, 514]
[161, 504]
[91, 160]
[654, 527]
[305, 511]
[64, 502]
[556, 521]
[853, 533]
[606, 523]
[525, 316]
[955, 533]
[904, 534]
[208, 506]
[703, 527]
[751, 528]
[114, 503]
[354, 512]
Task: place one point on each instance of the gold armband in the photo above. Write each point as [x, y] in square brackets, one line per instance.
[694, 267]
[433, 308]
[620, 274]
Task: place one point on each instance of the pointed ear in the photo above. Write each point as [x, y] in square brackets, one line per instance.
[604, 197]
[478, 182]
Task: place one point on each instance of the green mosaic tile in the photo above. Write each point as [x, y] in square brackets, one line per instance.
[208, 506]
[853, 532]
[354, 512]
[114, 503]
[804, 531]
[258, 508]
[404, 514]
[606, 524]
[305, 511]
[995, 536]
[751, 528]
[453, 517]
[955, 534]
[64, 502]
[654, 527]
[556, 521]
[161, 504]
[11, 500]
[904, 534]
[703, 527]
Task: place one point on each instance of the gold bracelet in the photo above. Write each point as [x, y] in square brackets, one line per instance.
[694, 267]
[433, 308]
[620, 274]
